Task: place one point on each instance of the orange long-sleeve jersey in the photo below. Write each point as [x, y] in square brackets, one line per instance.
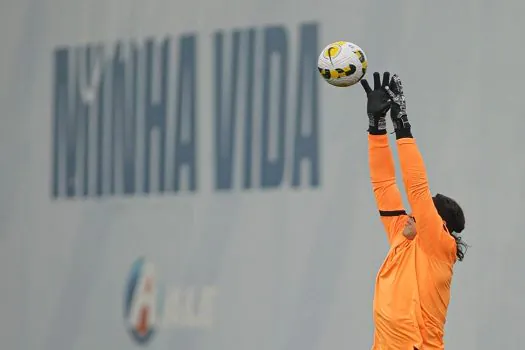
[412, 289]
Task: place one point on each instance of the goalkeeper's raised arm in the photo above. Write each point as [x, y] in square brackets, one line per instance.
[381, 161]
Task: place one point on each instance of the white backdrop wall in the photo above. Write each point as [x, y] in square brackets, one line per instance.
[176, 175]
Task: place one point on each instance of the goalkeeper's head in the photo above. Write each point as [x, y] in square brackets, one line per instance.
[452, 214]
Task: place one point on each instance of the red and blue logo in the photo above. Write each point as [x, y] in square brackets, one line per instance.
[143, 302]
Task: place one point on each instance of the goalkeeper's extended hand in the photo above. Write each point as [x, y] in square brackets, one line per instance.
[378, 103]
[398, 111]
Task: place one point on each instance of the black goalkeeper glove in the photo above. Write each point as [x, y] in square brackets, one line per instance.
[378, 103]
[398, 111]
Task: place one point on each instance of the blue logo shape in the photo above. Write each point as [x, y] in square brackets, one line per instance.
[143, 301]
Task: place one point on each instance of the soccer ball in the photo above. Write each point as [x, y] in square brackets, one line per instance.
[342, 64]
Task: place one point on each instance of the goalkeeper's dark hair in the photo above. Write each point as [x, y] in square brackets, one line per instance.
[451, 212]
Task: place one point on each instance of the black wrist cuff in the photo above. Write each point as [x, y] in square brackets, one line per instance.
[373, 130]
[403, 133]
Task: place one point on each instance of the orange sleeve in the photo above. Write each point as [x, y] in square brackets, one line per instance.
[386, 193]
[429, 225]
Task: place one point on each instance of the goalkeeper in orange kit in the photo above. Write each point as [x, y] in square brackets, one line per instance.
[412, 290]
